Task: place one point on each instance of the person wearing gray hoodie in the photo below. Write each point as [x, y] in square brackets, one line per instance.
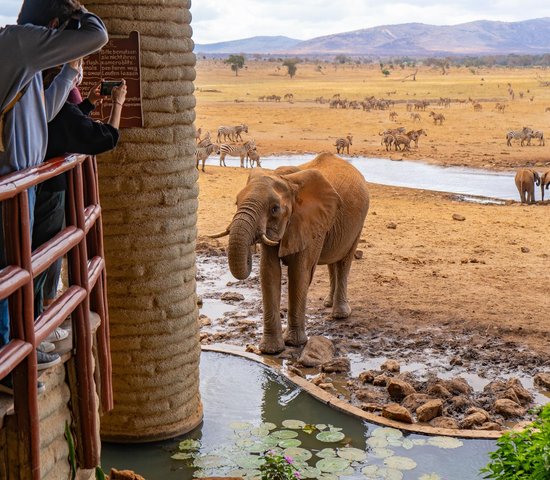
[48, 33]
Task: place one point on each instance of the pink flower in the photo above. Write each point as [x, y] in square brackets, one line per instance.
[289, 459]
[297, 475]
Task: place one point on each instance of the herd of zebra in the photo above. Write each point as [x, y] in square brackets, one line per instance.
[525, 136]
[399, 137]
[246, 151]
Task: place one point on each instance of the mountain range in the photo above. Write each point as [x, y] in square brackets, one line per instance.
[482, 37]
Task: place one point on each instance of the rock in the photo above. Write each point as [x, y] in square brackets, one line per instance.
[485, 413]
[398, 389]
[321, 378]
[199, 301]
[490, 426]
[394, 411]
[543, 380]
[370, 396]
[508, 408]
[415, 400]
[430, 410]
[328, 387]
[525, 249]
[124, 475]
[458, 404]
[251, 348]
[510, 395]
[205, 321]
[391, 226]
[444, 422]
[473, 420]
[371, 407]
[380, 380]
[367, 376]
[232, 297]
[358, 255]
[390, 366]
[458, 386]
[338, 365]
[439, 391]
[318, 350]
[520, 391]
[458, 217]
[295, 371]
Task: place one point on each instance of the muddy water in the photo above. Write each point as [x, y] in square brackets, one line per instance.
[459, 180]
[263, 396]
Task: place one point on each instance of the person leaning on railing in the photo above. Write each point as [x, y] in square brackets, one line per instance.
[48, 33]
[71, 131]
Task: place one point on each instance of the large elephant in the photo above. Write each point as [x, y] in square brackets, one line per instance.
[525, 182]
[303, 216]
[544, 182]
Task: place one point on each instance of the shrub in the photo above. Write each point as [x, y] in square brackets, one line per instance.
[278, 467]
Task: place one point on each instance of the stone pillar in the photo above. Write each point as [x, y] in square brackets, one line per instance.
[148, 189]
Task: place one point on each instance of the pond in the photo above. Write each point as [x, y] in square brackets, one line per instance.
[249, 409]
[413, 174]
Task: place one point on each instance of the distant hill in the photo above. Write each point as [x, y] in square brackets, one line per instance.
[414, 39]
[249, 45]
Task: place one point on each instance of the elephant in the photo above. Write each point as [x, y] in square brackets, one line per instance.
[544, 182]
[303, 216]
[525, 182]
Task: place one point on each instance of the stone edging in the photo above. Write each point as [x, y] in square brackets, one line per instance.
[343, 406]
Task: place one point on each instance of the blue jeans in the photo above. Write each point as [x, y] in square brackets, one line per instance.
[4, 312]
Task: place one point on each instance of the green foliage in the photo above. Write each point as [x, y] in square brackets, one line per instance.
[236, 62]
[99, 474]
[523, 455]
[72, 451]
[290, 64]
[385, 72]
[278, 467]
[342, 59]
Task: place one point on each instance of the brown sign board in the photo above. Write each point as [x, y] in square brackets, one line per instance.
[119, 59]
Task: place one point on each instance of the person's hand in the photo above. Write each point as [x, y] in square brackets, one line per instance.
[94, 96]
[118, 95]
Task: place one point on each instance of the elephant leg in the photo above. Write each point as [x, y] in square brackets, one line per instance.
[341, 307]
[329, 299]
[270, 274]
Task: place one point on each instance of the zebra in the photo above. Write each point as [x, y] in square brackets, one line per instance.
[387, 140]
[415, 117]
[478, 107]
[414, 135]
[537, 134]
[236, 151]
[205, 141]
[523, 135]
[252, 156]
[198, 132]
[202, 153]
[233, 133]
[438, 117]
[404, 140]
[289, 97]
[342, 143]
[393, 116]
[393, 131]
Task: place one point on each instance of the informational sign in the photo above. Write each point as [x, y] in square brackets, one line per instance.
[119, 59]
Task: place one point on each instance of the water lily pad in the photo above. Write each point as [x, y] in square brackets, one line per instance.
[419, 442]
[395, 442]
[352, 454]
[212, 461]
[189, 444]
[259, 432]
[258, 447]
[268, 426]
[251, 474]
[381, 452]
[445, 442]
[309, 428]
[283, 434]
[326, 453]
[332, 428]
[327, 476]
[309, 472]
[332, 464]
[321, 426]
[387, 432]
[294, 424]
[408, 444]
[298, 454]
[240, 426]
[430, 476]
[377, 442]
[249, 462]
[245, 442]
[390, 474]
[370, 471]
[183, 456]
[291, 442]
[400, 463]
[330, 437]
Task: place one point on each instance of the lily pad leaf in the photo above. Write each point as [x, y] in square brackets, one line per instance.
[326, 453]
[284, 434]
[408, 444]
[268, 426]
[381, 452]
[212, 461]
[189, 444]
[352, 454]
[309, 428]
[249, 462]
[445, 442]
[332, 464]
[400, 463]
[430, 476]
[294, 424]
[377, 442]
[330, 437]
[297, 454]
[321, 426]
[240, 426]
[183, 456]
[291, 442]
[387, 432]
[309, 472]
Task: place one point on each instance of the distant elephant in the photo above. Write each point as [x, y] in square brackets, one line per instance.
[525, 182]
[303, 216]
[544, 182]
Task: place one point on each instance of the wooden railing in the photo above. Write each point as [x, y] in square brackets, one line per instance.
[82, 241]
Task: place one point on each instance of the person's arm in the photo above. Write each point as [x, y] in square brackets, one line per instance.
[44, 48]
[56, 94]
[118, 96]
[92, 100]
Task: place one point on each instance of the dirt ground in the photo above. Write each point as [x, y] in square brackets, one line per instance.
[477, 289]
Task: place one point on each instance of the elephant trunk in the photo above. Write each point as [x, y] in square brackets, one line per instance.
[242, 235]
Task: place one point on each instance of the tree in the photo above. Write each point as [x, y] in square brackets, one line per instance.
[290, 64]
[236, 62]
[385, 72]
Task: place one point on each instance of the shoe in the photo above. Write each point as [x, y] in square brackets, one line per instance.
[57, 335]
[47, 360]
[6, 386]
[47, 347]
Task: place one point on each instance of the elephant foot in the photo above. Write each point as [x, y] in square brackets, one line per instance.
[295, 338]
[328, 301]
[272, 345]
[341, 311]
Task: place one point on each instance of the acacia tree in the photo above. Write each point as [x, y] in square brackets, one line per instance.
[236, 62]
[290, 64]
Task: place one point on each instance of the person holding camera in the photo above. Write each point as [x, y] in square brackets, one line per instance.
[47, 33]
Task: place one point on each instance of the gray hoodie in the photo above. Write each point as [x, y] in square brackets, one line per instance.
[26, 50]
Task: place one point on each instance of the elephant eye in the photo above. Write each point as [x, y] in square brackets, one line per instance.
[275, 209]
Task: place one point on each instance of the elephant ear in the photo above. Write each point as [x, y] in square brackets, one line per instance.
[314, 210]
[536, 177]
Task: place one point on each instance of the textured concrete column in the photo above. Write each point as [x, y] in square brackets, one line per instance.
[148, 189]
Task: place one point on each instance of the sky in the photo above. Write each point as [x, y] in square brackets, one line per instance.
[222, 20]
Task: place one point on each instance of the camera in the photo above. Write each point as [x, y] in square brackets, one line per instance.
[108, 85]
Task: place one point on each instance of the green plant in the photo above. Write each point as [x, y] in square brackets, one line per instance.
[523, 455]
[236, 62]
[278, 467]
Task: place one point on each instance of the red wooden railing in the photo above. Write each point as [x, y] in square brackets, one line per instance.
[82, 241]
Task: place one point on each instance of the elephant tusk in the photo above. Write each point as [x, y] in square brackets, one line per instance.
[219, 234]
[269, 242]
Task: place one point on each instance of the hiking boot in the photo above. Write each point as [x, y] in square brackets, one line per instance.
[47, 360]
[46, 347]
[57, 335]
[6, 386]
